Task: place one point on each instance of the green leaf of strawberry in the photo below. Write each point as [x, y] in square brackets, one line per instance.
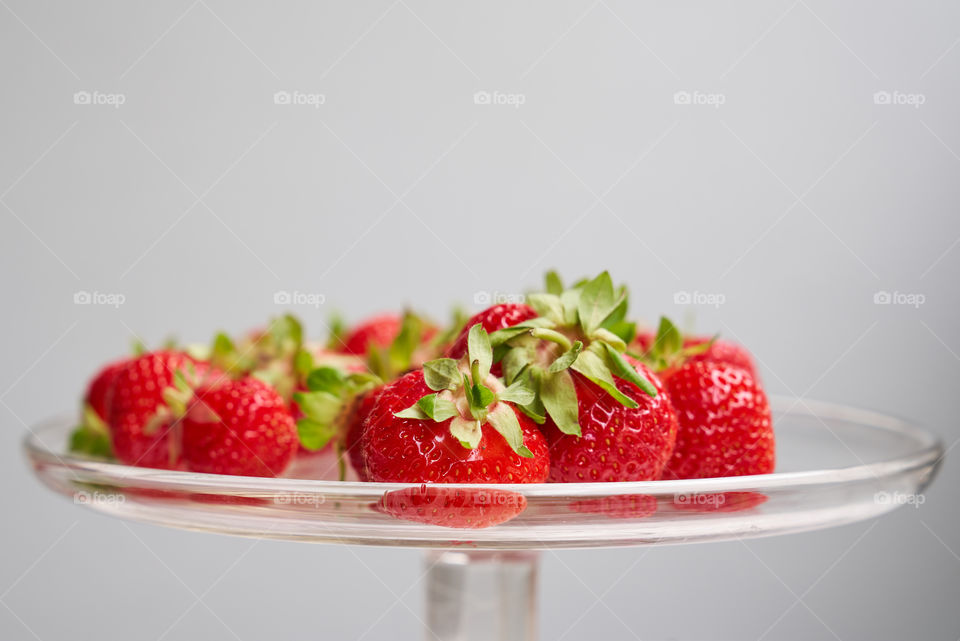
[442, 374]
[593, 367]
[479, 351]
[437, 408]
[325, 379]
[519, 392]
[92, 436]
[504, 420]
[468, 431]
[622, 368]
[313, 434]
[547, 305]
[554, 284]
[559, 398]
[597, 302]
[566, 359]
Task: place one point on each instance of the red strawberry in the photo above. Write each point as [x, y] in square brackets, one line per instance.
[432, 426]
[96, 397]
[492, 319]
[722, 351]
[92, 436]
[605, 416]
[345, 364]
[140, 418]
[275, 354]
[726, 428]
[378, 331]
[616, 443]
[453, 507]
[240, 427]
[362, 411]
[391, 344]
[667, 347]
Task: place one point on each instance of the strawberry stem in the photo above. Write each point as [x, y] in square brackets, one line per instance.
[552, 336]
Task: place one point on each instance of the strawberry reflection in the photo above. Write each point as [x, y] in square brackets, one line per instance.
[718, 501]
[621, 506]
[452, 507]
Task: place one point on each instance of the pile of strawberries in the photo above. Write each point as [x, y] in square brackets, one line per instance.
[561, 388]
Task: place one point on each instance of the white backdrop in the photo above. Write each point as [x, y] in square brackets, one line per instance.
[790, 159]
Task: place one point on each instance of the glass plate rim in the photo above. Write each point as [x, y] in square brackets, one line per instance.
[927, 449]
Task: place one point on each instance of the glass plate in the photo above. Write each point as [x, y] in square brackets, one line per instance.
[835, 465]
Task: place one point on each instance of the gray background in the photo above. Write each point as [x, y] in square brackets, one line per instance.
[797, 199]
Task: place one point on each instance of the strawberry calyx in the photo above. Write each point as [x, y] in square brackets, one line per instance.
[403, 352]
[92, 436]
[326, 403]
[467, 395]
[442, 339]
[669, 349]
[583, 329]
[276, 355]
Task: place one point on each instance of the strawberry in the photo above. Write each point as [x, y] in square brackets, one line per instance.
[328, 410]
[362, 412]
[391, 344]
[92, 436]
[378, 331]
[240, 427]
[142, 406]
[442, 425]
[725, 423]
[493, 318]
[279, 355]
[96, 397]
[616, 443]
[726, 428]
[453, 507]
[668, 346]
[605, 415]
[275, 354]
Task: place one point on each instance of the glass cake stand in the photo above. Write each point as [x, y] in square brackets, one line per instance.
[835, 464]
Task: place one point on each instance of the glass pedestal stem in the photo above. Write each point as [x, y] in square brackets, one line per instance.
[480, 595]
